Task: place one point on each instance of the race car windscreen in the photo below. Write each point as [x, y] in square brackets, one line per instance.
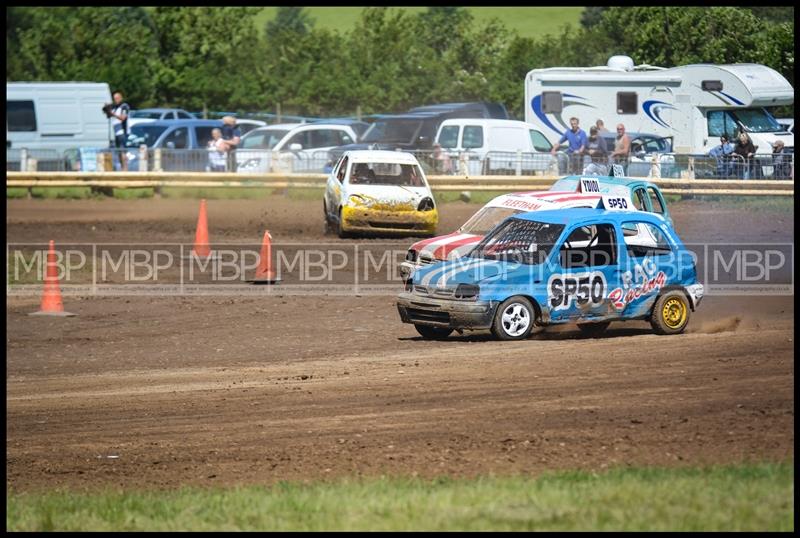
[402, 175]
[565, 185]
[487, 218]
[520, 241]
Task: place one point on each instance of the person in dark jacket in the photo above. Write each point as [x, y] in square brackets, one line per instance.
[746, 151]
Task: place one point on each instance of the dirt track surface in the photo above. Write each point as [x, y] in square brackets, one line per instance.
[229, 390]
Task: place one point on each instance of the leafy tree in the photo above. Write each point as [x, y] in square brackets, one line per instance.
[591, 16]
[294, 20]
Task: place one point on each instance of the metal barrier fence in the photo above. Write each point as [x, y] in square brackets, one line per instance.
[254, 161]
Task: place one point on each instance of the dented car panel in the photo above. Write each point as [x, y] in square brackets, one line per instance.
[382, 192]
[631, 258]
[568, 192]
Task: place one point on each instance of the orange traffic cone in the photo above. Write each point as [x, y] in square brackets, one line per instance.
[201, 247]
[51, 296]
[264, 272]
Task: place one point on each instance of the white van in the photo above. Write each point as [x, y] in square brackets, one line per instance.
[492, 146]
[57, 116]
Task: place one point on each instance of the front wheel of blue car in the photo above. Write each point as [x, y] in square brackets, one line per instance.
[514, 319]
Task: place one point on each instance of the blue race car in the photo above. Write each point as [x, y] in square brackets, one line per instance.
[589, 266]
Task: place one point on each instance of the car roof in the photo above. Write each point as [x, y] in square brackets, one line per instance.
[579, 215]
[611, 180]
[368, 156]
[158, 110]
[187, 123]
[489, 122]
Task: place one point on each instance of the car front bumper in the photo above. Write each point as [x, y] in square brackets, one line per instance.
[364, 219]
[450, 313]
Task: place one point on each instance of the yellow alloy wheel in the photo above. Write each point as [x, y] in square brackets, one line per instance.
[674, 312]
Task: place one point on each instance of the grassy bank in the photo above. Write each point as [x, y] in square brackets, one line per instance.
[527, 21]
[742, 498]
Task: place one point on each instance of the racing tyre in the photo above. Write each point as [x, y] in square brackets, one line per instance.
[514, 319]
[433, 333]
[594, 330]
[671, 313]
[328, 229]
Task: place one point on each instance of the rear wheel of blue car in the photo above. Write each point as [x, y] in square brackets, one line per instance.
[514, 319]
[671, 313]
[433, 333]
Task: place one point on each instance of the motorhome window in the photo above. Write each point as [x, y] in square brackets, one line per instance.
[448, 137]
[552, 102]
[404, 175]
[757, 120]
[20, 116]
[266, 139]
[720, 123]
[473, 137]
[627, 102]
[487, 218]
[589, 246]
[711, 85]
[518, 240]
[540, 143]
[144, 134]
[392, 131]
[655, 201]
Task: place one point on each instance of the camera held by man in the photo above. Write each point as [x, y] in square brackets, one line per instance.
[108, 109]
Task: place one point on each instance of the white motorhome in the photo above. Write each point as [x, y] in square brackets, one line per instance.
[56, 115]
[694, 104]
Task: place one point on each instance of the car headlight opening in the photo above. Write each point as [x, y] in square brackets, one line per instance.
[426, 204]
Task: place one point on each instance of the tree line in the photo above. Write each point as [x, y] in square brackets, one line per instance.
[389, 61]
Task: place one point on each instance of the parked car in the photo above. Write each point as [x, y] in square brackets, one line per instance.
[644, 147]
[358, 126]
[491, 146]
[172, 135]
[291, 147]
[584, 266]
[383, 192]
[416, 129]
[246, 125]
[568, 192]
[145, 115]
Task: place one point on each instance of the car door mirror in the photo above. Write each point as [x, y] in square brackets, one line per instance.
[295, 147]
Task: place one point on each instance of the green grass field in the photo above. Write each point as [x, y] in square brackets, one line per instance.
[527, 21]
[757, 497]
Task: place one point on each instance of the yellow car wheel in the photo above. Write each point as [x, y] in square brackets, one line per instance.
[671, 313]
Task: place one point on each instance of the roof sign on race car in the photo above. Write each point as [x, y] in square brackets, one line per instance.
[589, 185]
[616, 203]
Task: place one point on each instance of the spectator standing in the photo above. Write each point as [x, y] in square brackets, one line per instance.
[232, 136]
[217, 151]
[576, 137]
[780, 161]
[722, 154]
[746, 150]
[119, 122]
[622, 148]
[597, 152]
[441, 160]
[601, 127]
